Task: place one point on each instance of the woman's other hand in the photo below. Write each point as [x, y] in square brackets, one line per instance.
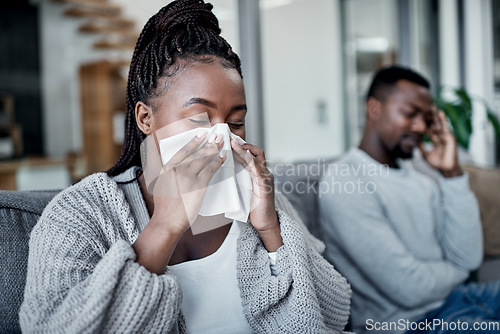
[263, 212]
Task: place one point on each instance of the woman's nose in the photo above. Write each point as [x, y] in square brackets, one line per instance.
[216, 120]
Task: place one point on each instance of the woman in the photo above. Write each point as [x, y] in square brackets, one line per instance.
[108, 256]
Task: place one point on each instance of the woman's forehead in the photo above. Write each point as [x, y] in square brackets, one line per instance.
[210, 81]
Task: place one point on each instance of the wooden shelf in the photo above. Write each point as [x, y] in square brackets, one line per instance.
[98, 28]
[93, 11]
[103, 91]
[6, 109]
[8, 127]
[108, 22]
[83, 2]
[114, 45]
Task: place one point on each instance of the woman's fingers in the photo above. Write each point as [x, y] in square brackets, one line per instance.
[211, 168]
[181, 174]
[193, 158]
[259, 173]
[201, 158]
[255, 151]
[187, 149]
[243, 156]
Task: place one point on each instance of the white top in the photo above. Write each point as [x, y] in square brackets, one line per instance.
[211, 300]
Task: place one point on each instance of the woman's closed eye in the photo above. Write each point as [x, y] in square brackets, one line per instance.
[236, 124]
[199, 121]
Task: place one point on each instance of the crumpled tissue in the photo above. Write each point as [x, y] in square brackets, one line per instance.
[230, 190]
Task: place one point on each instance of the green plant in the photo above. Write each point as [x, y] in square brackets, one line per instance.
[458, 106]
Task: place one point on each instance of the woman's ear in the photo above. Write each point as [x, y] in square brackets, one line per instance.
[143, 117]
[373, 109]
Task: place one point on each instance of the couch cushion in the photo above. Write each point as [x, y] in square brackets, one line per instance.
[485, 183]
[299, 182]
[19, 212]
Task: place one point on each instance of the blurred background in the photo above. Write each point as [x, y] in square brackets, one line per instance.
[306, 65]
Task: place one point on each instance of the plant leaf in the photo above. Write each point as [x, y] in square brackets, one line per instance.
[464, 100]
[458, 122]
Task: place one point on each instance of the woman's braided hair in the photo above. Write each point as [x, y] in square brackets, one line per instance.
[183, 30]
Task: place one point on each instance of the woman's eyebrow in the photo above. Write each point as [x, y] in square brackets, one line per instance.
[210, 104]
[239, 107]
[199, 100]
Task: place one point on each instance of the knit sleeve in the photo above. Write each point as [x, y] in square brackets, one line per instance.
[82, 275]
[459, 229]
[307, 295]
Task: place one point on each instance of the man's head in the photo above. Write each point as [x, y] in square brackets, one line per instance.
[399, 111]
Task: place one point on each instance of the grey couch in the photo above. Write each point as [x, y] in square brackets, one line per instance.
[19, 212]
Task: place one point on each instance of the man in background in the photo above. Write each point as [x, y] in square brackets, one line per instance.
[405, 241]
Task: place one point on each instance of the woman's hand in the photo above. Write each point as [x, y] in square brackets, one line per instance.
[177, 197]
[263, 212]
[182, 184]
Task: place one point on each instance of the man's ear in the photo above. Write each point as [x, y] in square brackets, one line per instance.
[143, 117]
[373, 109]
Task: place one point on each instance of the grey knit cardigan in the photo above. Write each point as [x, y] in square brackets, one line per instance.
[82, 275]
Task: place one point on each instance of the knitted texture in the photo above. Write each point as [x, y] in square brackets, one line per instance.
[307, 295]
[82, 275]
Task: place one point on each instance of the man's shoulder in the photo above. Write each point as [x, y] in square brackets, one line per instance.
[353, 165]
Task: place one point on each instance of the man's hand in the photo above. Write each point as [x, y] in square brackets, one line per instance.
[443, 155]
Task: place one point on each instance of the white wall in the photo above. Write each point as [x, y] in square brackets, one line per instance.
[479, 75]
[63, 50]
[302, 66]
[302, 69]
[375, 22]
[449, 60]
[225, 10]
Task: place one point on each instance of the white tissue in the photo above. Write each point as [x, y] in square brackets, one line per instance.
[230, 190]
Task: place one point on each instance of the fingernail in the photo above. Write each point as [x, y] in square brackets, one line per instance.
[223, 154]
[219, 138]
[212, 138]
[201, 134]
[235, 143]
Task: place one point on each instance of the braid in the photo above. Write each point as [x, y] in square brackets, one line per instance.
[183, 30]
